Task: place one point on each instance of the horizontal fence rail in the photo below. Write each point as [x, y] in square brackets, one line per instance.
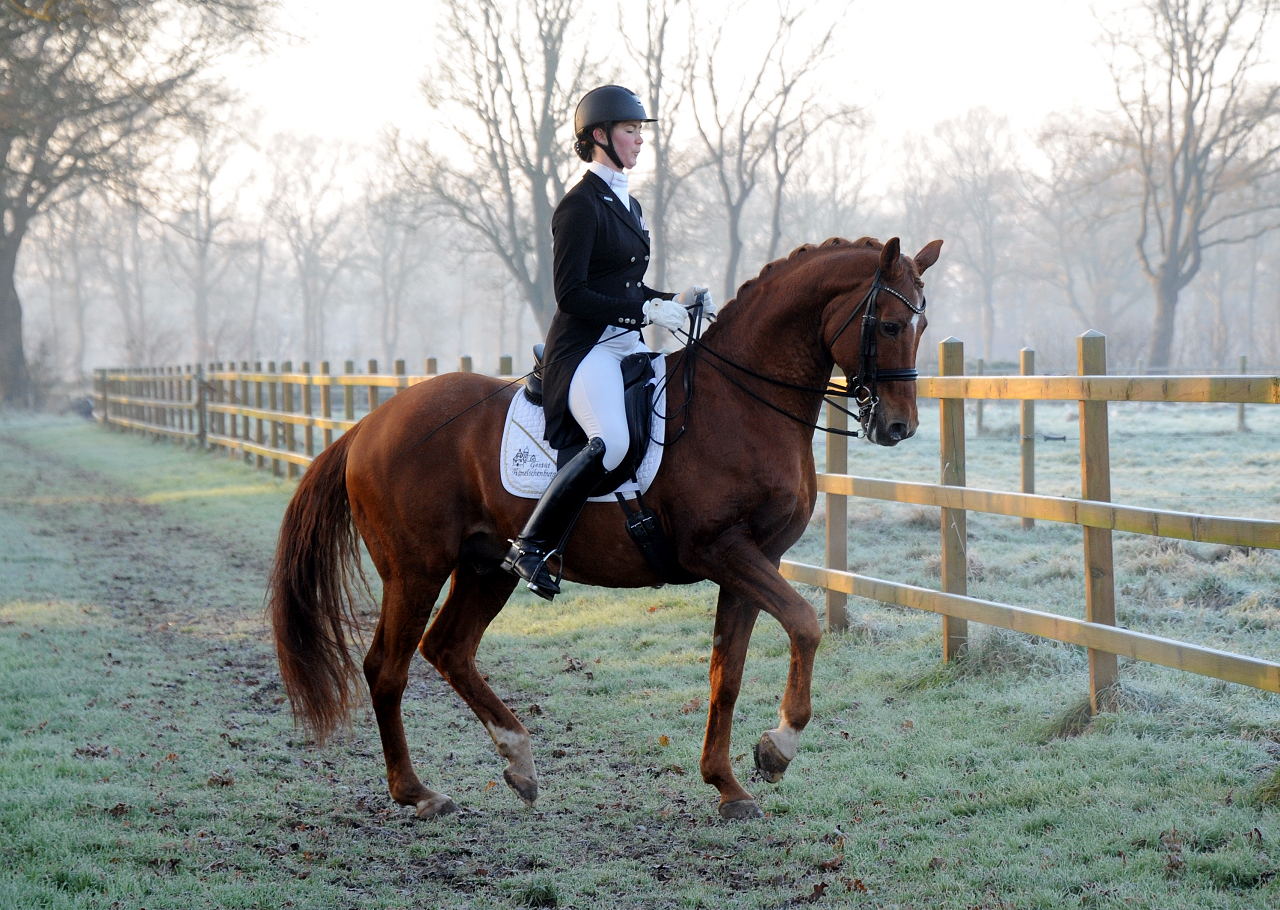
[284, 418]
[1093, 512]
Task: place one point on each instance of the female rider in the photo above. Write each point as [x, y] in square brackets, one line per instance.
[601, 252]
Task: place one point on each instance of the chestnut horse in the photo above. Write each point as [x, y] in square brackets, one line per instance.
[733, 494]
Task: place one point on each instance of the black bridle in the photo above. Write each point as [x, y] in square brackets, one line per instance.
[866, 383]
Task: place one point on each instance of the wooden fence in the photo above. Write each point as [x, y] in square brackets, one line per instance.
[257, 414]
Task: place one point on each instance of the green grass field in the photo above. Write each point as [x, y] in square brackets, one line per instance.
[149, 760]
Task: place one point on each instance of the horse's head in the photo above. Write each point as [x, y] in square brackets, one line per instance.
[877, 352]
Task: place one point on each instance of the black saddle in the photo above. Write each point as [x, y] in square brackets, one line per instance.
[637, 396]
[643, 525]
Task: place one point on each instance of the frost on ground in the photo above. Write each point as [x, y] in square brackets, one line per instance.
[149, 757]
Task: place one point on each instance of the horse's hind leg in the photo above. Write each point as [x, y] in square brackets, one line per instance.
[406, 608]
[450, 644]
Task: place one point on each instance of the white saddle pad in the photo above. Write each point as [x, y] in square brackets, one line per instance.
[529, 462]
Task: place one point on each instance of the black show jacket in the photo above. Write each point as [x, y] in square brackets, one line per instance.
[601, 253]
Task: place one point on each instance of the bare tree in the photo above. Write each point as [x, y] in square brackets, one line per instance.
[202, 210]
[1202, 132]
[745, 126]
[506, 85]
[397, 252]
[665, 90]
[307, 205]
[1084, 221]
[977, 161]
[79, 81]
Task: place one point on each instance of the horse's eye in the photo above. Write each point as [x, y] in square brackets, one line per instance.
[891, 329]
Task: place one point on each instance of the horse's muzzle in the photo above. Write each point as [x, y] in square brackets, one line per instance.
[890, 434]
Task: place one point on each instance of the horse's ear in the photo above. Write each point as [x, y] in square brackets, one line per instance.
[889, 264]
[928, 256]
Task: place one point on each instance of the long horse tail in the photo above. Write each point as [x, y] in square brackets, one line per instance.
[316, 573]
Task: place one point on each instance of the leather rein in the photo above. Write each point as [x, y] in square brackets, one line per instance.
[865, 390]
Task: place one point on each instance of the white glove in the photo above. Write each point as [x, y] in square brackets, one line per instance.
[668, 314]
[693, 295]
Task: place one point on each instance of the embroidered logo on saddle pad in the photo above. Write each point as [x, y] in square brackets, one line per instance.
[529, 462]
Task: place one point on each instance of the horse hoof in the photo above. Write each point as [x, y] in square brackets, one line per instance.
[740, 810]
[436, 806]
[525, 787]
[770, 762]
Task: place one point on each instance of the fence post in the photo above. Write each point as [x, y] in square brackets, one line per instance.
[220, 396]
[326, 405]
[1027, 434]
[100, 380]
[349, 392]
[432, 368]
[1095, 484]
[1241, 426]
[373, 389]
[308, 432]
[259, 460]
[273, 405]
[202, 409]
[398, 366]
[955, 543]
[504, 365]
[286, 387]
[978, 428]
[837, 518]
[247, 403]
[464, 364]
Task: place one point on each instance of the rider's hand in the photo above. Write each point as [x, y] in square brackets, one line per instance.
[694, 295]
[668, 314]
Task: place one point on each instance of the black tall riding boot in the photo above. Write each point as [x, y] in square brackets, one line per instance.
[556, 510]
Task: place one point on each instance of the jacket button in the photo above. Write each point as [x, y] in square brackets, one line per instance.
[633, 258]
[628, 284]
[646, 258]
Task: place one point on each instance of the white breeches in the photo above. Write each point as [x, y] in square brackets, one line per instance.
[595, 392]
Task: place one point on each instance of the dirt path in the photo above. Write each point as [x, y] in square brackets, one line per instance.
[149, 757]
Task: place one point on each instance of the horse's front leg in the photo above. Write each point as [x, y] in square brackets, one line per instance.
[735, 618]
[753, 577]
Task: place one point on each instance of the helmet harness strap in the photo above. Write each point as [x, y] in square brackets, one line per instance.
[608, 148]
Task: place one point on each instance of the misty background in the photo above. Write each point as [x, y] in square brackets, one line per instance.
[222, 181]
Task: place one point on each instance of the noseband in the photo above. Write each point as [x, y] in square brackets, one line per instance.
[866, 384]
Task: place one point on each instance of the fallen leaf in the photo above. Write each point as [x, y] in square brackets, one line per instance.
[855, 884]
[664, 740]
[535, 709]
[818, 890]
[937, 863]
[908, 724]
[691, 705]
[225, 779]
[832, 864]
[489, 786]
[118, 810]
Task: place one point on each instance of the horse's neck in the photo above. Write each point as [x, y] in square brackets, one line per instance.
[783, 343]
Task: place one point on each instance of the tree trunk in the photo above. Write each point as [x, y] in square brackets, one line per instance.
[735, 253]
[1158, 356]
[988, 317]
[13, 360]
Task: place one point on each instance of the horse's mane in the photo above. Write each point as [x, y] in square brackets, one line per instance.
[803, 254]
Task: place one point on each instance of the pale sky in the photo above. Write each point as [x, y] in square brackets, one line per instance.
[909, 63]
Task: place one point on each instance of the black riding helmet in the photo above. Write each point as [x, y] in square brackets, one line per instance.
[603, 107]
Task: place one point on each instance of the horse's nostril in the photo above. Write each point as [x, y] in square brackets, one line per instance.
[898, 431]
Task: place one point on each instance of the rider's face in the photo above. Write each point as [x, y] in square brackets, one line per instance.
[628, 136]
